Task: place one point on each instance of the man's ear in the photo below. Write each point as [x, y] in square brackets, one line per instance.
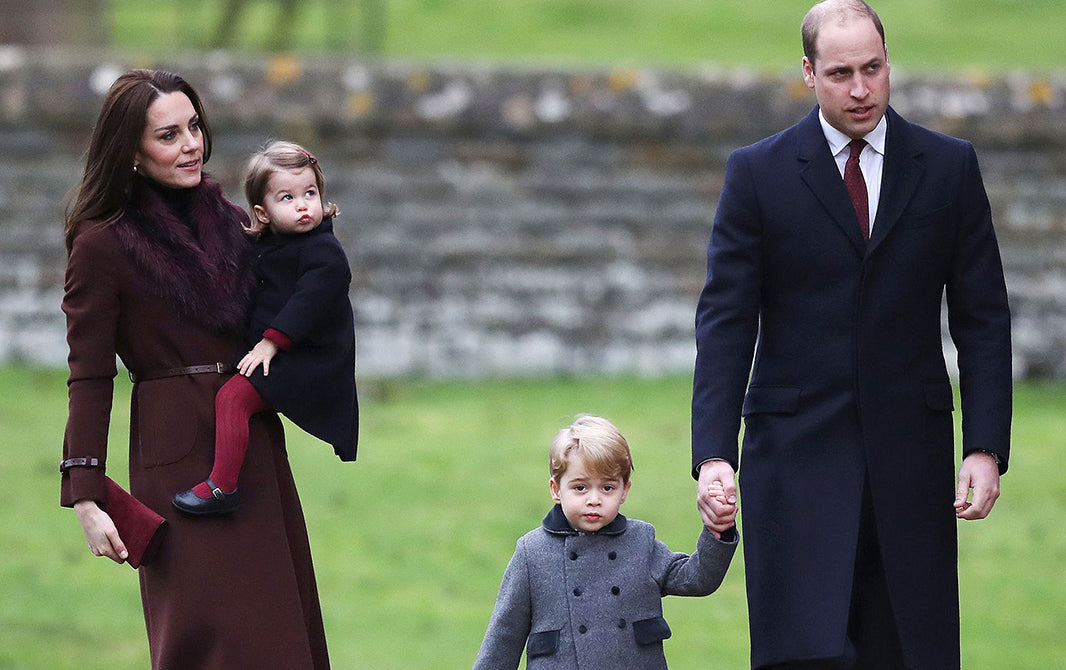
[808, 72]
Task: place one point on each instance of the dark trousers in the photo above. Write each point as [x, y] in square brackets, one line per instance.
[873, 639]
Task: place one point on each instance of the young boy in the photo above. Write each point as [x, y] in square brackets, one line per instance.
[585, 589]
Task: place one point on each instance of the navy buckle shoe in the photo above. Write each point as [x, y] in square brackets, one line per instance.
[218, 503]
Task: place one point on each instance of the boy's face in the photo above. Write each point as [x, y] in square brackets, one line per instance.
[589, 501]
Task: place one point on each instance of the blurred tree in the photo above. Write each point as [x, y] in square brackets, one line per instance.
[54, 22]
[369, 37]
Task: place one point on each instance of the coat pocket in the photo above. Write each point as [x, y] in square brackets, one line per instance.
[650, 631]
[170, 421]
[771, 400]
[544, 643]
[938, 396]
[925, 218]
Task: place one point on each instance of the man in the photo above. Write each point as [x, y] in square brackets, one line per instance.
[848, 461]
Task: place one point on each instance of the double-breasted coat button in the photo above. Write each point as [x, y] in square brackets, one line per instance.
[612, 555]
[621, 623]
[615, 590]
[582, 629]
[573, 555]
[577, 591]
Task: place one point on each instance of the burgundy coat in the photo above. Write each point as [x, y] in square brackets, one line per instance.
[232, 592]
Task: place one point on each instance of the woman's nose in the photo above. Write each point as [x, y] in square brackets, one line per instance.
[192, 142]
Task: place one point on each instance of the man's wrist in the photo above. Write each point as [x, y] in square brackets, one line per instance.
[709, 460]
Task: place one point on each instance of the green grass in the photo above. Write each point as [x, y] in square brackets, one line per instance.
[410, 542]
[987, 35]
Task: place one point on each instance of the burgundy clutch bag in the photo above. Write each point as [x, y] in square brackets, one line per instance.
[137, 524]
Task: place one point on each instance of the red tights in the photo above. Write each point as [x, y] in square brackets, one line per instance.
[235, 404]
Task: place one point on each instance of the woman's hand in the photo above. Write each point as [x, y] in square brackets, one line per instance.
[100, 531]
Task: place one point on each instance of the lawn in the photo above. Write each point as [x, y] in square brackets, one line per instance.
[410, 541]
[989, 35]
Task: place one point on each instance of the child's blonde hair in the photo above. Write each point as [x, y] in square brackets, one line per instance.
[274, 157]
[598, 441]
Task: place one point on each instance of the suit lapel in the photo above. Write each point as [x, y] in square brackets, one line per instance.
[821, 175]
[902, 172]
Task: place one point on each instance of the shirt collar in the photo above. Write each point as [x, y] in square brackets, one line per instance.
[555, 523]
[838, 140]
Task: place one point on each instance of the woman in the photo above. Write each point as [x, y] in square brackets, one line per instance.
[158, 273]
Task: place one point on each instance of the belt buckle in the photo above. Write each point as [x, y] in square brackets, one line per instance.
[221, 368]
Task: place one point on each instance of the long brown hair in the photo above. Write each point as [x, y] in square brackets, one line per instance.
[116, 138]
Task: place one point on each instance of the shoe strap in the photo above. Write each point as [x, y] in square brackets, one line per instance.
[215, 491]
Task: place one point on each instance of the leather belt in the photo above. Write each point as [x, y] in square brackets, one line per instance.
[216, 368]
[79, 463]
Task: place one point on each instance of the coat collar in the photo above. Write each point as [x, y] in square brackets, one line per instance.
[902, 172]
[191, 248]
[270, 239]
[555, 523]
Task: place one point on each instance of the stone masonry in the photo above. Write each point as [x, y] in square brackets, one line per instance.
[509, 221]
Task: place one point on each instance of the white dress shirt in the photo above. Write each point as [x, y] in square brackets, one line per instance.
[871, 163]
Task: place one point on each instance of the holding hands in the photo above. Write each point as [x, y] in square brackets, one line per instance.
[716, 497]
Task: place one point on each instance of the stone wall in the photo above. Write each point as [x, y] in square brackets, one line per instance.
[516, 221]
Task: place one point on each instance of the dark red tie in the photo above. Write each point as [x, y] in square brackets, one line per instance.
[856, 186]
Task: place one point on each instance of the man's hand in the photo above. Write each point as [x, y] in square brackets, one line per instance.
[716, 496]
[980, 473]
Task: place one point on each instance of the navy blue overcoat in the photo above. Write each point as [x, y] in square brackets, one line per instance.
[831, 350]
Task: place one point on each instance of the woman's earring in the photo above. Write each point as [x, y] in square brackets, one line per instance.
[134, 167]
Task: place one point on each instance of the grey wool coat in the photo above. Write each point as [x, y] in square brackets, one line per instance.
[594, 600]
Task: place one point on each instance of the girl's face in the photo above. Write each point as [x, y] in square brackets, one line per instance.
[292, 203]
[172, 145]
[589, 501]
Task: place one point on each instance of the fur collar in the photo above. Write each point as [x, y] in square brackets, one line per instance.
[192, 250]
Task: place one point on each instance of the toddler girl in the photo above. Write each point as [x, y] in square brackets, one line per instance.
[300, 321]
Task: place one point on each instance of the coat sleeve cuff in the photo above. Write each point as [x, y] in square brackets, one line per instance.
[1000, 461]
[81, 484]
[696, 467]
[729, 537]
[279, 338]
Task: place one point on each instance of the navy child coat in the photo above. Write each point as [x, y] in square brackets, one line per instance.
[302, 283]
